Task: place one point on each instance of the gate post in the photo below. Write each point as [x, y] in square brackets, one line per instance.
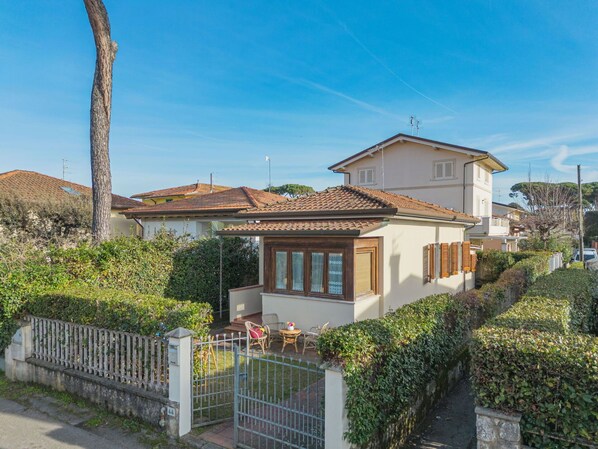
[236, 397]
[180, 353]
[336, 421]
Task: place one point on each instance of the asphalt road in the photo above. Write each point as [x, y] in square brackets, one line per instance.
[27, 428]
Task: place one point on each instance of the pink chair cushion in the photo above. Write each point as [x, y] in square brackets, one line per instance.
[255, 332]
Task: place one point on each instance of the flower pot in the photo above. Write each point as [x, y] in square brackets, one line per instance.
[291, 328]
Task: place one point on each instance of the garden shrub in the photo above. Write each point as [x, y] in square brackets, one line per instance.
[577, 265]
[548, 377]
[492, 263]
[118, 310]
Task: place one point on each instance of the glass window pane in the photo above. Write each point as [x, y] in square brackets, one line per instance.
[281, 269]
[297, 267]
[317, 272]
[439, 170]
[363, 273]
[335, 273]
[448, 170]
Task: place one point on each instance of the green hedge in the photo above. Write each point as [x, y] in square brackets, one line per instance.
[536, 360]
[536, 312]
[164, 266]
[552, 379]
[125, 311]
[534, 266]
[493, 263]
[387, 362]
[579, 287]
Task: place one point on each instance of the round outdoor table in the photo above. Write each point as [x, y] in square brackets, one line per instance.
[289, 338]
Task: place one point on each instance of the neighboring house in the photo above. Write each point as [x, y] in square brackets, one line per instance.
[350, 253]
[178, 193]
[512, 216]
[200, 215]
[452, 176]
[33, 186]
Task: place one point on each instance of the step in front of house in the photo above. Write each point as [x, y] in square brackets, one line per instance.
[238, 324]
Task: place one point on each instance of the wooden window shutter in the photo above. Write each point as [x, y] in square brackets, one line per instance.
[444, 260]
[431, 261]
[466, 250]
[474, 261]
[454, 258]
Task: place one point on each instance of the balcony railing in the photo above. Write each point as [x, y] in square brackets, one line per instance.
[498, 226]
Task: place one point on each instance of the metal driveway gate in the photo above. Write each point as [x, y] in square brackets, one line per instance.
[279, 403]
[213, 378]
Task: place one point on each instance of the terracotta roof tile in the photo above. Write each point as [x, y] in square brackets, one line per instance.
[231, 200]
[33, 186]
[191, 189]
[350, 200]
[305, 227]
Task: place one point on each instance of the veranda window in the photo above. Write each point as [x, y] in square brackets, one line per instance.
[340, 269]
[312, 273]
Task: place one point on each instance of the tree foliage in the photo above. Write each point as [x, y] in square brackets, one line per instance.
[49, 221]
[551, 208]
[292, 190]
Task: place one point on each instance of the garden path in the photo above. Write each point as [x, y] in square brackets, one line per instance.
[451, 425]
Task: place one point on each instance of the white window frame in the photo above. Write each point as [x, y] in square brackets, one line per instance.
[444, 163]
[366, 170]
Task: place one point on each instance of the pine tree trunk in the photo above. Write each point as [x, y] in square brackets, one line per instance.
[101, 105]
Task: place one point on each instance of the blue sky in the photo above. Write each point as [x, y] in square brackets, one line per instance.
[204, 87]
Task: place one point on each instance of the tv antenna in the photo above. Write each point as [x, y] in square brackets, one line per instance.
[65, 168]
[415, 124]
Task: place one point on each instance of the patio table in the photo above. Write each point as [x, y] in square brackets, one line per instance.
[289, 338]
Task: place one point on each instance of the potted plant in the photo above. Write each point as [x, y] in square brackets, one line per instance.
[290, 326]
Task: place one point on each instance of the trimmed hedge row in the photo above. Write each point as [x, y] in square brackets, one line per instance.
[578, 287]
[492, 263]
[387, 362]
[548, 377]
[535, 360]
[124, 311]
[537, 312]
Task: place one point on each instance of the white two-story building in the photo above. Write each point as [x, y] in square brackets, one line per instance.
[452, 176]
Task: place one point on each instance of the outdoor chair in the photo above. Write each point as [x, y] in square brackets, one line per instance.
[274, 325]
[310, 338]
[255, 335]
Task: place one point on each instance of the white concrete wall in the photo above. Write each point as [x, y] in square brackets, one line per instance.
[409, 170]
[120, 225]
[245, 301]
[180, 226]
[402, 260]
[308, 312]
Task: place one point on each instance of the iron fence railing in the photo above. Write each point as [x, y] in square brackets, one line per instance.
[137, 360]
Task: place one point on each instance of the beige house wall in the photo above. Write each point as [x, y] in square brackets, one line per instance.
[408, 169]
[402, 261]
[402, 278]
[307, 312]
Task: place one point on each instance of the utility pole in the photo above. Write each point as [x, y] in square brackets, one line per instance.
[580, 210]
